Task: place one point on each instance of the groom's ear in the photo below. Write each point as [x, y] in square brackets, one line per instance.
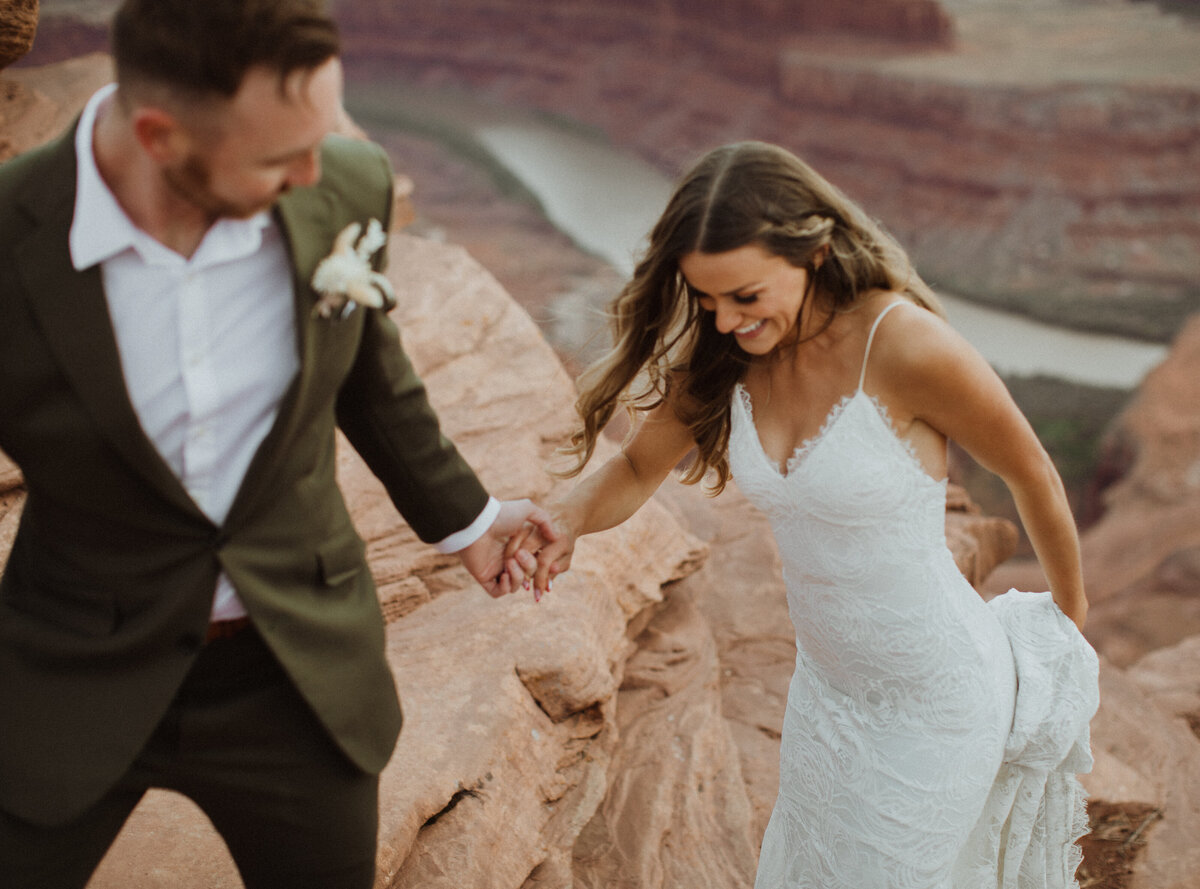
[160, 134]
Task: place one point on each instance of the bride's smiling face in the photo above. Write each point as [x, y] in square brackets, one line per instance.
[753, 295]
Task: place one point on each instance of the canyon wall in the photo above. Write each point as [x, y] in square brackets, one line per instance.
[1041, 157]
[18, 24]
[1045, 160]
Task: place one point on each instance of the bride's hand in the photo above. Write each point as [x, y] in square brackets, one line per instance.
[552, 554]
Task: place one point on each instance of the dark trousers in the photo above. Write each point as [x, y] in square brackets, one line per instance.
[245, 747]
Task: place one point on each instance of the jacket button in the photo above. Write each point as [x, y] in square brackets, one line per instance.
[191, 641]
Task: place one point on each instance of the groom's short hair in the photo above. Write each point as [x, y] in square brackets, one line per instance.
[203, 48]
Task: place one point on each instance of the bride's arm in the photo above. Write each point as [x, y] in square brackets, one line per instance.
[612, 493]
[937, 377]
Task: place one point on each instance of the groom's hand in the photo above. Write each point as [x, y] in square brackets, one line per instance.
[486, 559]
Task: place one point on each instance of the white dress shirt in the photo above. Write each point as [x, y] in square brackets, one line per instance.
[207, 343]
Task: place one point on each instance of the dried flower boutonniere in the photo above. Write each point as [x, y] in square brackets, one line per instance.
[345, 277]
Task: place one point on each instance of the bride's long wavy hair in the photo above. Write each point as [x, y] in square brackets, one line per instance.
[666, 346]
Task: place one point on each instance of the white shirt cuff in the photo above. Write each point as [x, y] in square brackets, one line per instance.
[468, 535]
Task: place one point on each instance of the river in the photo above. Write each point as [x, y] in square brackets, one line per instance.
[606, 200]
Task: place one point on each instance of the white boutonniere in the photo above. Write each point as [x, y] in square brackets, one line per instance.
[345, 278]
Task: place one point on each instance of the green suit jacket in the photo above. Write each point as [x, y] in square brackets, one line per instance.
[105, 598]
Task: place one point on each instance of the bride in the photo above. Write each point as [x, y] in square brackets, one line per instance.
[776, 333]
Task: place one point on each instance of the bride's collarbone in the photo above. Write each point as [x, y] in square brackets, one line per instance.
[789, 414]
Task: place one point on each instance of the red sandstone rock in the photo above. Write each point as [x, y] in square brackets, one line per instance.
[36, 104]
[1145, 742]
[543, 25]
[676, 811]
[10, 475]
[18, 25]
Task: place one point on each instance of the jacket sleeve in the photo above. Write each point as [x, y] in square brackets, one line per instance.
[384, 412]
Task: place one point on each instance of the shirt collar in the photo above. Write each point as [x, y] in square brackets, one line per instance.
[100, 228]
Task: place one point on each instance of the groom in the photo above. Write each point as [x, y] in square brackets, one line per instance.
[187, 604]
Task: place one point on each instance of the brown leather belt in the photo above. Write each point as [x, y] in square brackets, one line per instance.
[226, 629]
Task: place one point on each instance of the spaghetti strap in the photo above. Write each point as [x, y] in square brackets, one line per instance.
[862, 377]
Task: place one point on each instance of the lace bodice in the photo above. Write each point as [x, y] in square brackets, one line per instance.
[856, 479]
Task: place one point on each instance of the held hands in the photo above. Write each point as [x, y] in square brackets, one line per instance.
[542, 551]
[502, 570]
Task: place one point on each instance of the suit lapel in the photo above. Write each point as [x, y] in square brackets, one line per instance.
[73, 314]
[304, 217]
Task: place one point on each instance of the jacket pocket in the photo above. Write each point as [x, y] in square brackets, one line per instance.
[339, 561]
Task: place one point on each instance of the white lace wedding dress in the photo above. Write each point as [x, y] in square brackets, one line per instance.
[906, 761]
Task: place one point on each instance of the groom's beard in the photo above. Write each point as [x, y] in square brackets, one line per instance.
[191, 182]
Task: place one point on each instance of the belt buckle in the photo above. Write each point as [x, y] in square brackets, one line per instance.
[226, 629]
